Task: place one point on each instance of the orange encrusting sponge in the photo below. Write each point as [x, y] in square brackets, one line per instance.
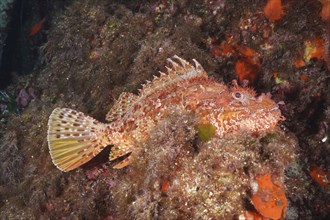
[274, 10]
[325, 12]
[269, 200]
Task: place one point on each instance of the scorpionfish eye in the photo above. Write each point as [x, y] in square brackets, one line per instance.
[238, 95]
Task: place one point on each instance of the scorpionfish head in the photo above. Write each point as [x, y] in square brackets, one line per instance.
[248, 112]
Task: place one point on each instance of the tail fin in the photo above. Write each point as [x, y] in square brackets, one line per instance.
[74, 138]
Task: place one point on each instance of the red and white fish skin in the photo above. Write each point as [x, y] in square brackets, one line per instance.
[184, 88]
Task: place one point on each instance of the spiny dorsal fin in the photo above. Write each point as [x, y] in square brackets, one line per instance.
[121, 106]
[179, 72]
[74, 138]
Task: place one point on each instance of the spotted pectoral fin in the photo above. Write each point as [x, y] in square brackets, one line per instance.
[123, 163]
[74, 138]
[118, 151]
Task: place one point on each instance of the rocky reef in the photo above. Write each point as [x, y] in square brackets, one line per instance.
[177, 176]
[95, 50]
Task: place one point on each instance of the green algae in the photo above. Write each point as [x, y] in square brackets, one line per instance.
[205, 132]
[269, 137]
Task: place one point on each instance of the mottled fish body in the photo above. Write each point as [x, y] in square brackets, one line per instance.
[75, 138]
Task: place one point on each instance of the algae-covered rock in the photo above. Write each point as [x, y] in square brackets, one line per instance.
[177, 177]
[11, 159]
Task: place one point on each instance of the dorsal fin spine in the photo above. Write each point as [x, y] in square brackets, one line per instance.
[178, 72]
[174, 64]
[198, 66]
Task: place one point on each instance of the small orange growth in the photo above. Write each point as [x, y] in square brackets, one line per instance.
[246, 69]
[248, 66]
[165, 184]
[37, 27]
[325, 12]
[304, 77]
[248, 52]
[299, 63]
[320, 176]
[318, 53]
[223, 49]
[274, 10]
[314, 49]
[270, 200]
[248, 215]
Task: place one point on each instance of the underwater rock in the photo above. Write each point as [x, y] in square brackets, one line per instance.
[11, 159]
[177, 177]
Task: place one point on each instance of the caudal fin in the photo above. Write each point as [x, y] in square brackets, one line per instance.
[74, 138]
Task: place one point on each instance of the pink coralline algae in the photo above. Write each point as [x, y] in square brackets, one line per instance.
[25, 96]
